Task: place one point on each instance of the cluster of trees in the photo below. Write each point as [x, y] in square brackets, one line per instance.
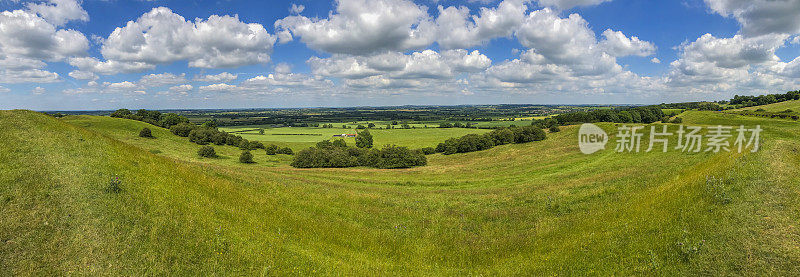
[273, 149]
[646, 115]
[208, 134]
[749, 101]
[475, 142]
[153, 117]
[336, 154]
[700, 106]
[455, 125]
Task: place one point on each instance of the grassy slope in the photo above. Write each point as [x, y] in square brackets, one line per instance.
[793, 105]
[516, 209]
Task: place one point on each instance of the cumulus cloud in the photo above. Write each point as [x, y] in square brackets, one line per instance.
[363, 27]
[161, 36]
[163, 79]
[28, 76]
[59, 12]
[655, 60]
[221, 87]
[568, 4]
[182, 89]
[223, 77]
[427, 64]
[457, 29]
[83, 75]
[296, 9]
[759, 17]
[38, 90]
[25, 35]
[109, 67]
[619, 45]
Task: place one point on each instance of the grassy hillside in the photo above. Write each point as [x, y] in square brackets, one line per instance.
[524, 209]
[793, 105]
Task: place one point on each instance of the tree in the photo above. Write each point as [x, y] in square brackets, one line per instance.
[271, 149]
[246, 157]
[286, 151]
[212, 124]
[371, 125]
[170, 119]
[261, 131]
[182, 129]
[364, 139]
[555, 129]
[207, 152]
[146, 133]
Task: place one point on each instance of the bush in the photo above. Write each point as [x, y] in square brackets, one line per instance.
[398, 157]
[286, 151]
[555, 129]
[202, 136]
[364, 139]
[271, 149]
[115, 185]
[677, 120]
[207, 152]
[145, 133]
[182, 129]
[428, 150]
[246, 157]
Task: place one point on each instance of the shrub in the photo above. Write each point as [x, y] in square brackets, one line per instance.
[146, 133]
[114, 185]
[364, 139]
[286, 151]
[202, 136]
[398, 157]
[246, 157]
[271, 149]
[677, 120]
[555, 129]
[207, 152]
[428, 150]
[182, 129]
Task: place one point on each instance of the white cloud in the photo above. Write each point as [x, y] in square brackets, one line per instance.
[759, 17]
[163, 79]
[182, 89]
[59, 12]
[619, 45]
[4, 89]
[427, 64]
[568, 4]
[457, 29]
[296, 9]
[26, 35]
[363, 27]
[109, 67]
[38, 90]
[655, 60]
[221, 87]
[161, 36]
[83, 75]
[223, 77]
[28, 76]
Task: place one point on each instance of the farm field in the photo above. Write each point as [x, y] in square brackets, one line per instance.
[539, 208]
[302, 137]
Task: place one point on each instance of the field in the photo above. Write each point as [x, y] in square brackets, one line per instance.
[303, 137]
[539, 208]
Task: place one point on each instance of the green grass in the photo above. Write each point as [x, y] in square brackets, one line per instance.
[539, 208]
[793, 105]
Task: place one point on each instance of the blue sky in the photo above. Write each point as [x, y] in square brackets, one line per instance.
[72, 55]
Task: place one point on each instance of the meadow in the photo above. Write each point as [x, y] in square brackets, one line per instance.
[539, 208]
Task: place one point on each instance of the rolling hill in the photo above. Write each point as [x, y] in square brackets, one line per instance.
[523, 209]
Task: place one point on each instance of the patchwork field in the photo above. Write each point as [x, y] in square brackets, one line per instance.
[302, 137]
[539, 208]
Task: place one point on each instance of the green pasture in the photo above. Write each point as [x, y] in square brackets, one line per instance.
[531, 209]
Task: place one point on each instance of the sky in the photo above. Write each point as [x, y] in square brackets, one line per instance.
[91, 55]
